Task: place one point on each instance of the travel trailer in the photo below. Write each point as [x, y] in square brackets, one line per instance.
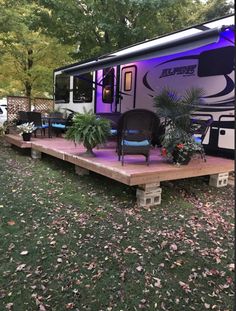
[201, 56]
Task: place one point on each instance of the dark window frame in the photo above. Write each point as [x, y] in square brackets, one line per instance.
[59, 96]
[108, 84]
[83, 81]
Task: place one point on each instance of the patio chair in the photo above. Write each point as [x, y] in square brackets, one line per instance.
[36, 117]
[199, 129]
[22, 117]
[135, 133]
[58, 123]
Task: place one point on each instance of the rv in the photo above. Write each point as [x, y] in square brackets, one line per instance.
[201, 56]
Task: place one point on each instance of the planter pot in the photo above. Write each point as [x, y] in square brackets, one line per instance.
[88, 153]
[26, 136]
[181, 159]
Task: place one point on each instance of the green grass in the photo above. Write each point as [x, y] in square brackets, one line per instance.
[91, 248]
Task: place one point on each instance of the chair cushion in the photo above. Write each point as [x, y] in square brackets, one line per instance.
[197, 139]
[135, 143]
[132, 131]
[113, 132]
[58, 125]
[43, 126]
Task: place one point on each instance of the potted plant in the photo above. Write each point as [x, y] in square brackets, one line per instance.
[26, 129]
[89, 130]
[178, 145]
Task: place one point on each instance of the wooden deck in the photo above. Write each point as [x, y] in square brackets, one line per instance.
[134, 172]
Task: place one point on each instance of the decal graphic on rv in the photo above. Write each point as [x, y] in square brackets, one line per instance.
[219, 94]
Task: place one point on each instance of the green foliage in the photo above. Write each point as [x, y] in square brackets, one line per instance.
[88, 129]
[98, 27]
[28, 55]
[176, 109]
[39, 36]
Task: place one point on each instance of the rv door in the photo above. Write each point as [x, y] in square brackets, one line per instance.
[128, 88]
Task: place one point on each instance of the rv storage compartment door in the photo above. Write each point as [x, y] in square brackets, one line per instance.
[226, 132]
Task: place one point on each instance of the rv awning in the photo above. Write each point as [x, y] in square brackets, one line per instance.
[156, 48]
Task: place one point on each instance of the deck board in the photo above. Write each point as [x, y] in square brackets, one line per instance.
[134, 172]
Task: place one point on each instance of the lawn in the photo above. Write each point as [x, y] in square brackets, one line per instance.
[81, 243]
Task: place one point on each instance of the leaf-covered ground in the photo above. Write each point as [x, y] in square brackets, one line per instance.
[81, 243]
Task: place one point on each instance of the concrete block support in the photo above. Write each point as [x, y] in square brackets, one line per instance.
[35, 154]
[149, 195]
[219, 180]
[81, 171]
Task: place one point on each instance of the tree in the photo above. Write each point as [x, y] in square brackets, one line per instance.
[96, 27]
[28, 56]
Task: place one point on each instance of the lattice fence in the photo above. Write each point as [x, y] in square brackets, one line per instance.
[22, 103]
[43, 104]
[15, 104]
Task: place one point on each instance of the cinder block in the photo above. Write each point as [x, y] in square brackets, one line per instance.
[150, 187]
[219, 180]
[142, 193]
[81, 171]
[148, 198]
[35, 154]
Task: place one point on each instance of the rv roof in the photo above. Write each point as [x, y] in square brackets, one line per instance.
[189, 38]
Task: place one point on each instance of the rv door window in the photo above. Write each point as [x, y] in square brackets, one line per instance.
[108, 85]
[128, 81]
[216, 62]
[83, 88]
[62, 88]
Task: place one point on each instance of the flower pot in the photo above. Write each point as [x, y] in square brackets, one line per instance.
[181, 158]
[26, 136]
[88, 153]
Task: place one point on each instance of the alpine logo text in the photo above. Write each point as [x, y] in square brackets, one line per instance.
[183, 70]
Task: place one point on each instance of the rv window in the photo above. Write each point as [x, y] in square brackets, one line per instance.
[62, 88]
[83, 88]
[128, 81]
[216, 62]
[108, 85]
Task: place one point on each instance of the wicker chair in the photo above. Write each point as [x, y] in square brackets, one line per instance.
[36, 117]
[200, 128]
[22, 117]
[135, 133]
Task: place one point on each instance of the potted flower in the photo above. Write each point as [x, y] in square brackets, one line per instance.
[26, 129]
[89, 130]
[178, 145]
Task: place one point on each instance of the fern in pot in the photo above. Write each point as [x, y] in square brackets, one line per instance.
[89, 130]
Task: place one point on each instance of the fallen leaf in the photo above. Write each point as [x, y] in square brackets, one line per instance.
[24, 253]
[139, 268]
[9, 306]
[11, 223]
[157, 283]
[20, 267]
[231, 267]
[173, 247]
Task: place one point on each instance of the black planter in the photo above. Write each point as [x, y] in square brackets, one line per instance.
[26, 136]
[182, 159]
